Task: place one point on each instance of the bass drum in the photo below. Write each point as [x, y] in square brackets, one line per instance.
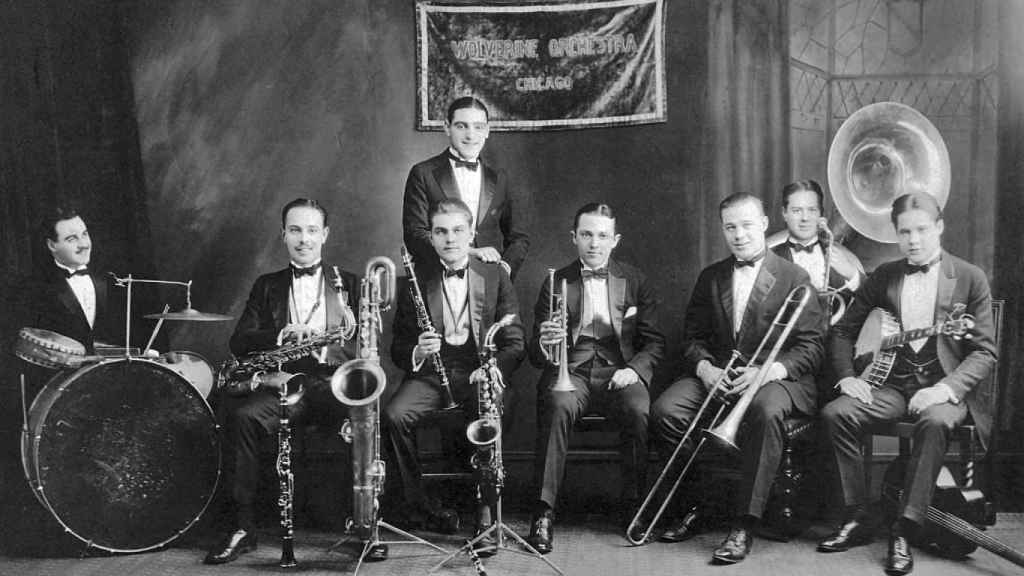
[124, 453]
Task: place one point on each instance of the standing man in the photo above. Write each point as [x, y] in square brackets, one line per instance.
[934, 381]
[802, 209]
[294, 304]
[463, 297]
[614, 345]
[500, 213]
[732, 308]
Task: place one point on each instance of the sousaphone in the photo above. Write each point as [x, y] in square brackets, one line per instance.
[881, 152]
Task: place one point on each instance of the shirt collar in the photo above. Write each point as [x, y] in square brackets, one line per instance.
[458, 265]
[455, 154]
[810, 242]
[69, 270]
[584, 266]
[316, 264]
[935, 258]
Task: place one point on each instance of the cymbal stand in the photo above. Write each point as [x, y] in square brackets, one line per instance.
[126, 282]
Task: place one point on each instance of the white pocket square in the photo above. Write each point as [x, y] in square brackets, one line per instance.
[630, 312]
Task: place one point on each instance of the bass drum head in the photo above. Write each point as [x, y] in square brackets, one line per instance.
[125, 454]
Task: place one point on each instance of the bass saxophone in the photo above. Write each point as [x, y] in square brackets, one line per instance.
[485, 431]
[423, 319]
[358, 384]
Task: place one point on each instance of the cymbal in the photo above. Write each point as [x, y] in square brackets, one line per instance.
[189, 314]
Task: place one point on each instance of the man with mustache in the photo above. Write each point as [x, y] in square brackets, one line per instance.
[500, 211]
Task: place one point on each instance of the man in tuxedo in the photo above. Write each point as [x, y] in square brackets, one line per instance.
[937, 381]
[463, 297]
[299, 302]
[802, 209]
[614, 346]
[731, 309]
[500, 211]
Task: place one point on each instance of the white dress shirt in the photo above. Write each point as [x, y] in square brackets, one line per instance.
[84, 290]
[469, 183]
[596, 317]
[813, 262]
[307, 304]
[917, 301]
[742, 284]
[454, 309]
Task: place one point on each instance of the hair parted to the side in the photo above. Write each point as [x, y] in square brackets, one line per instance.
[803, 186]
[303, 203]
[738, 198]
[593, 208]
[466, 102]
[450, 206]
[915, 201]
[58, 213]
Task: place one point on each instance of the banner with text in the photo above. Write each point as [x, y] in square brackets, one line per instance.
[543, 66]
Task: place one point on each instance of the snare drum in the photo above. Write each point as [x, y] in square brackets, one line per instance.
[48, 349]
[124, 453]
[193, 367]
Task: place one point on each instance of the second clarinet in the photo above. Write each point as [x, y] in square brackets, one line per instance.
[425, 324]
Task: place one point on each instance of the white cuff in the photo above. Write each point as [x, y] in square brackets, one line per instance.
[778, 367]
[505, 265]
[416, 365]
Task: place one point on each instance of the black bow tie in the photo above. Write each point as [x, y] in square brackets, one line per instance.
[461, 272]
[798, 247]
[460, 163]
[743, 263]
[300, 272]
[598, 273]
[915, 268]
[79, 272]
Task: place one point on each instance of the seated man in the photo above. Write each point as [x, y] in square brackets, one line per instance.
[731, 309]
[614, 345]
[462, 298]
[932, 380]
[292, 305]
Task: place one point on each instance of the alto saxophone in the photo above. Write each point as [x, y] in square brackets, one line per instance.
[423, 320]
[485, 431]
[235, 374]
[358, 384]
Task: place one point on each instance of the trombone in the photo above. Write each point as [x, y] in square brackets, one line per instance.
[721, 432]
[558, 354]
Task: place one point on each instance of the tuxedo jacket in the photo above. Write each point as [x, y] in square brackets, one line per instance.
[708, 325]
[835, 279]
[266, 313]
[491, 296]
[633, 304]
[503, 216]
[967, 363]
[53, 306]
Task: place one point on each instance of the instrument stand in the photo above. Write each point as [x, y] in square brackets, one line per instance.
[409, 539]
[500, 530]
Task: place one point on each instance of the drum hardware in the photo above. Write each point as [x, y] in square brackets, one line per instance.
[721, 432]
[487, 461]
[51, 350]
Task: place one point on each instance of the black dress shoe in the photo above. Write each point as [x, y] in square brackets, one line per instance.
[851, 533]
[734, 548]
[899, 560]
[376, 553]
[542, 532]
[487, 546]
[443, 520]
[684, 529]
[233, 546]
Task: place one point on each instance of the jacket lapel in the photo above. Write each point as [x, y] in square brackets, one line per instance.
[724, 281]
[763, 285]
[435, 300]
[477, 300]
[488, 185]
[616, 296]
[446, 178]
[895, 288]
[947, 284]
[280, 288]
[573, 298]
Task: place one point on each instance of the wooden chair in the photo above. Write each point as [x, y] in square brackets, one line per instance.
[971, 451]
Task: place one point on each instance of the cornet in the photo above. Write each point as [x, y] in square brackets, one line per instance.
[558, 354]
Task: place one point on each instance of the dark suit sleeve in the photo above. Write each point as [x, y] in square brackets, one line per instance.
[981, 356]
[415, 223]
[648, 339]
[843, 335]
[698, 324]
[255, 329]
[540, 314]
[405, 332]
[511, 340]
[804, 349]
[516, 222]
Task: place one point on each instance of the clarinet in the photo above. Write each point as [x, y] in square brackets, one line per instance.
[286, 482]
[423, 320]
[475, 558]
